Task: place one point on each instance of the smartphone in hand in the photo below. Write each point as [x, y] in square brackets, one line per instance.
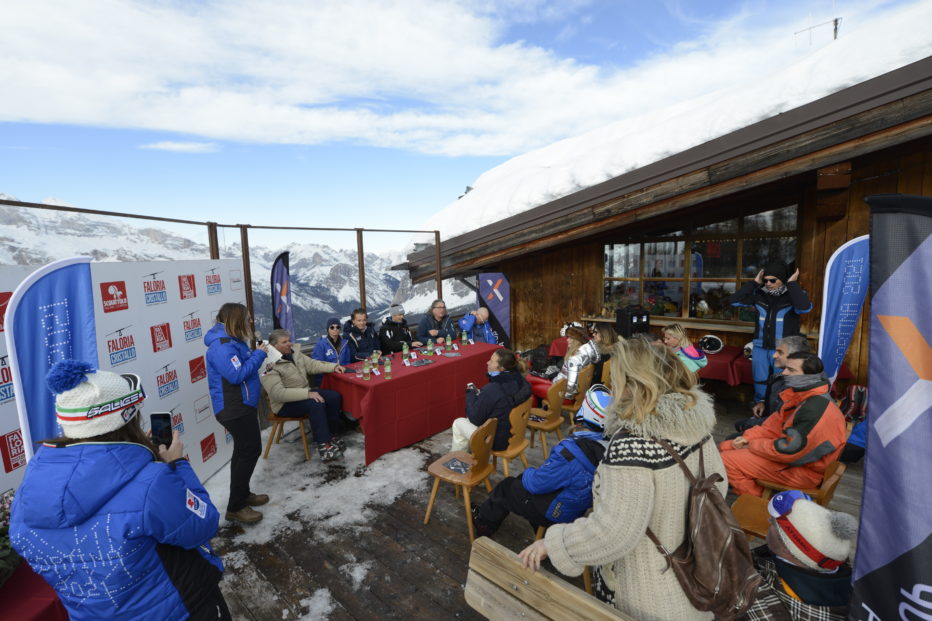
[161, 424]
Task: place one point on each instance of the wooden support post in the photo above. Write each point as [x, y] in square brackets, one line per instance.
[361, 258]
[247, 273]
[439, 277]
[213, 241]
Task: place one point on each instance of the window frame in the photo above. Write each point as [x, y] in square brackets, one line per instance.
[688, 235]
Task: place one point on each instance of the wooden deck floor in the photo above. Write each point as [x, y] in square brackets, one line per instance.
[396, 567]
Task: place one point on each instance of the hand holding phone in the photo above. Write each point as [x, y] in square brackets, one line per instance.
[161, 425]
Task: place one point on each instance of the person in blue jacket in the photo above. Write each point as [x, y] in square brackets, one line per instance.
[233, 382]
[561, 489]
[119, 530]
[476, 325]
[779, 301]
[332, 347]
[360, 335]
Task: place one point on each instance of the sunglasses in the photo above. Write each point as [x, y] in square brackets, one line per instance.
[771, 280]
[333, 327]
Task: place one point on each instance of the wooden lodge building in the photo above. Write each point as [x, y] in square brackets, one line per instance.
[680, 234]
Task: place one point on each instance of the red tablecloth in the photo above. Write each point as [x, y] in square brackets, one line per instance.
[558, 347]
[722, 366]
[741, 368]
[416, 403]
[27, 597]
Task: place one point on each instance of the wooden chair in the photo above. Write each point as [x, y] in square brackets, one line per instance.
[606, 378]
[518, 440]
[583, 382]
[500, 589]
[751, 514]
[278, 425]
[822, 494]
[480, 445]
[553, 416]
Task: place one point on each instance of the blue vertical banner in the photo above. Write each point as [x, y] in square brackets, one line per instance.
[893, 565]
[281, 295]
[495, 294]
[50, 317]
[847, 279]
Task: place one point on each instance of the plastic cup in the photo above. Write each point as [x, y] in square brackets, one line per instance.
[359, 371]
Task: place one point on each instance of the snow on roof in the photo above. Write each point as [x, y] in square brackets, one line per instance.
[573, 164]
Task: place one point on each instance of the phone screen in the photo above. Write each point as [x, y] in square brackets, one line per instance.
[161, 423]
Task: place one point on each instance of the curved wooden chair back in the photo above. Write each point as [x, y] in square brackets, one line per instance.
[583, 382]
[480, 444]
[822, 494]
[518, 418]
[555, 399]
[606, 378]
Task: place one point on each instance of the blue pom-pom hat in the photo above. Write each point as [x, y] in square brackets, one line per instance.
[89, 402]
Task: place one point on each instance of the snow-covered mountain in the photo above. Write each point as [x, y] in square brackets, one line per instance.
[325, 280]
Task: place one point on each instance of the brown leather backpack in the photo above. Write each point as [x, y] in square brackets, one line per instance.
[713, 564]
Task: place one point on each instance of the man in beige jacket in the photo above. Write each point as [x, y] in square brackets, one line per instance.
[286, 378]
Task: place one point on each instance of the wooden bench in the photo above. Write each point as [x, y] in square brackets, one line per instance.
[498, 587]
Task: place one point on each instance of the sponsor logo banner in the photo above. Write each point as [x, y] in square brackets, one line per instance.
[186, 286]
[198, 368]
[214, 286]
[177, 421]
[161, 337]
[13, 450]
[202, 409]
[155, 291]
[6, 381]
[121, 348]
[4, 300]
[208, 447]
[113, 295]
[192, 328]
[167, 383]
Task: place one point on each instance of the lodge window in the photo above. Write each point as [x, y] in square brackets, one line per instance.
[689, 271]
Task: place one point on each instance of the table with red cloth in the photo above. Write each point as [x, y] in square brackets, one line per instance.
[416, 403]
[26, 596]
[722, 366]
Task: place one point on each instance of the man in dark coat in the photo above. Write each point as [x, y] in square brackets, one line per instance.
[394, 331]
[360, 335]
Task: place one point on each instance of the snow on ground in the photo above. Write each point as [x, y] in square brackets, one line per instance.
[320, 604]
[567, 166]
[301, 491]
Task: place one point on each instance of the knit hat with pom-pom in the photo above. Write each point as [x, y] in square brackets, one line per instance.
[89, 402]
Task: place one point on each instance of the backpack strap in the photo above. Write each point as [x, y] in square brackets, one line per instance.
[692, 481]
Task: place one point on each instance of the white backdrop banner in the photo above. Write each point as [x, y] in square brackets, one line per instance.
[150, 319]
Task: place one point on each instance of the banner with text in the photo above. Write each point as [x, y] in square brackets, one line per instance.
[847, 276]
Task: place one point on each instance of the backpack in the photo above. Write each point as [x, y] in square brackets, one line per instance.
[854, 405]
[713, 564]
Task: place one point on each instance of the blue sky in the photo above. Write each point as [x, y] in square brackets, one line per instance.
[343, 113]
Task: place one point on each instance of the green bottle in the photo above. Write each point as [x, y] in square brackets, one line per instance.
[430, 347]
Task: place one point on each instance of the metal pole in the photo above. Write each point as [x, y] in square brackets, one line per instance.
[362, 269]
[247, 273]
[437, 259]
[213, 240]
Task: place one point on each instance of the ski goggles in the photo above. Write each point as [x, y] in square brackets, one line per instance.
[779, 507]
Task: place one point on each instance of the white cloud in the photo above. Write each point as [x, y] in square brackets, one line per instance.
[435, 76]
[181, 147]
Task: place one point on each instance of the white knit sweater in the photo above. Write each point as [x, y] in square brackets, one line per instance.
[636, 485]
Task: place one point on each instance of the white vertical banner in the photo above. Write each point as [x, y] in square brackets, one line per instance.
[151, 318]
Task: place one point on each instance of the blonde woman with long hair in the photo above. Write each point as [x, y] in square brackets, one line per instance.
[675, 337]
[639, 485]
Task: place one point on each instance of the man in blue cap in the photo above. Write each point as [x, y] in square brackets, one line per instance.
[561, 489]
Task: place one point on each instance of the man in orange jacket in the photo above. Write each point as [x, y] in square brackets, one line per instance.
[795, 444]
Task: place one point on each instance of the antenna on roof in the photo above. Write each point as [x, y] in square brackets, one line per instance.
[836, 23]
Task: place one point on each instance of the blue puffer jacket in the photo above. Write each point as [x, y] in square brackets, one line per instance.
[117, 534]
[232, 374]
[468, 323]
[570, 468]
[325, 351]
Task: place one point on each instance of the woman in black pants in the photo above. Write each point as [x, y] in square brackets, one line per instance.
[233, 379]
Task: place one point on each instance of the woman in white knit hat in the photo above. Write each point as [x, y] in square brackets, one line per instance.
[639, 485]
[119, 529]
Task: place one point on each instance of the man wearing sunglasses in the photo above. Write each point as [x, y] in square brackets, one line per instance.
[779, 301]
[804, 566]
